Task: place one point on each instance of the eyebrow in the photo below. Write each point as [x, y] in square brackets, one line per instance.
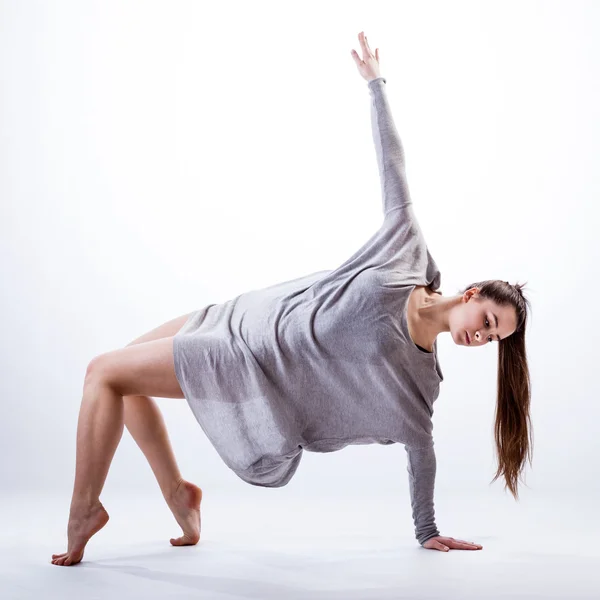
[496, 319]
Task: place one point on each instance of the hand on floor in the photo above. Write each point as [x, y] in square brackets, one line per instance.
[444, 544]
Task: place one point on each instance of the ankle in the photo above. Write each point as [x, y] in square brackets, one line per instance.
[84, 506]
[174, 486]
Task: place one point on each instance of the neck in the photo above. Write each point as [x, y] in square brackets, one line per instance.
[433, 317]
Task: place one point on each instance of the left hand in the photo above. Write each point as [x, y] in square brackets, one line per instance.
[444, 544]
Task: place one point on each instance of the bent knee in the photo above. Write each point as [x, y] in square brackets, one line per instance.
[95, 367]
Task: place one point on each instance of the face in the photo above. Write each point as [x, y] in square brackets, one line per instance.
[475, 317]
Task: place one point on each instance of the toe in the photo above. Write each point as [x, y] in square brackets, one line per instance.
[185, 540]
[181, 541]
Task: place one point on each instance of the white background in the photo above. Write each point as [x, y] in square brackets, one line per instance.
[160, 156]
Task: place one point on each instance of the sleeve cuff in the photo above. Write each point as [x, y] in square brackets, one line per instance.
[373, 82]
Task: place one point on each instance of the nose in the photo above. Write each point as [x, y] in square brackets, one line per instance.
[477, 336]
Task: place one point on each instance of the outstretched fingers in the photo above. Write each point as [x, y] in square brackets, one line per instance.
[444, 544]
[466, 545]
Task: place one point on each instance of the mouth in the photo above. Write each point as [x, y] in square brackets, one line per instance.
[468, 338]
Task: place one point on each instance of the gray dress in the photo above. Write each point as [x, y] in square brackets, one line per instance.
[325, 360]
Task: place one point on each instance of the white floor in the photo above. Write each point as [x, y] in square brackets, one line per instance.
[283, 545]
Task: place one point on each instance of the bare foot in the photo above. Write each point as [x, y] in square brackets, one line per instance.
[83, 524]
[185, 506]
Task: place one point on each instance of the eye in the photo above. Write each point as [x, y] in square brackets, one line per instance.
[488, 324]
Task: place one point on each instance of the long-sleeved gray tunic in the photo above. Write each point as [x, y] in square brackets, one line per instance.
[325, 360]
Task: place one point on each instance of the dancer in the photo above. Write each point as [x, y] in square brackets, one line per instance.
[337, 357]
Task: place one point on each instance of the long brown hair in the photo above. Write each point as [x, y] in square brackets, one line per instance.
[513, 431]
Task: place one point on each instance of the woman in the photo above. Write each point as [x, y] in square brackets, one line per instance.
[347, 356]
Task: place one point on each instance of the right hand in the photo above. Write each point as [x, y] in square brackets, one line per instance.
[368, 67]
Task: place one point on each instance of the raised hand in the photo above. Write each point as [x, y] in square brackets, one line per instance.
[444, 544]
[368, 67]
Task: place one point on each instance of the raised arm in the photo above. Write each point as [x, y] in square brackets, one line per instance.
[389, 149]
[421, 478]
[390, 153]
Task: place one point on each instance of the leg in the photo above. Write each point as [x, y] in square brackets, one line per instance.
[146, 425]
[144, 369]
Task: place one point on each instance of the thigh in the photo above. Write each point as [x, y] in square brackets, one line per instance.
[144, 369]
[168, 329]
